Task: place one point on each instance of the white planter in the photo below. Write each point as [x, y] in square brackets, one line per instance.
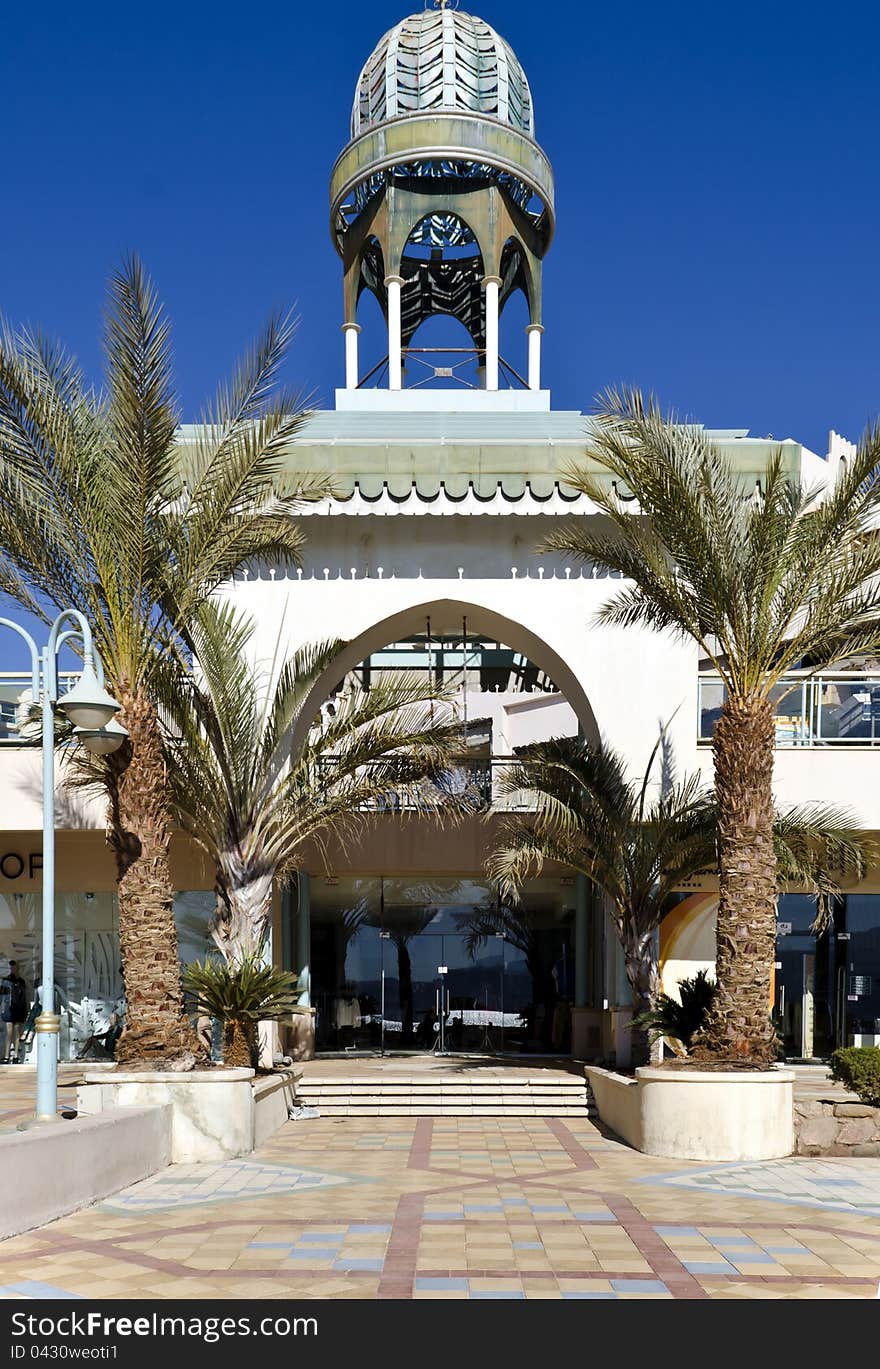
[216, 1114]
[691, 1114]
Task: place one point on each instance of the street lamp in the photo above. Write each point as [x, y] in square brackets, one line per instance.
[91, 709]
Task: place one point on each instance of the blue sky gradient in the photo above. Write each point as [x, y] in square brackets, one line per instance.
[716, 173]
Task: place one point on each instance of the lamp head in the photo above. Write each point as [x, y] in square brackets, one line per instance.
[88, 705]
[102, 741]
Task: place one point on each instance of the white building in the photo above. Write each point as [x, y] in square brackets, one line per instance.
[450, 469]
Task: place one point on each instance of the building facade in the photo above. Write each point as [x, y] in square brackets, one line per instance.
[449, 466]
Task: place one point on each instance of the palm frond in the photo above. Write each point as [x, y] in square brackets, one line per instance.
[758, 577]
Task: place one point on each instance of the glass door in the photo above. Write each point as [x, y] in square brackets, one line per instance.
[473, 978]
[410, 986]
[807, 992]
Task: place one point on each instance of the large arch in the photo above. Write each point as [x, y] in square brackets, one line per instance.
[449, 613]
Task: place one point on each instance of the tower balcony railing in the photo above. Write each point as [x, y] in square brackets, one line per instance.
[449, 367]
[836, 708]
[468, 785]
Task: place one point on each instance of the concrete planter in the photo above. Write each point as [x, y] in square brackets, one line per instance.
[216, 1114]
[699, 1114]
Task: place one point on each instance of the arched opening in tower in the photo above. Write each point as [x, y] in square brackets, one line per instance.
[442, 270]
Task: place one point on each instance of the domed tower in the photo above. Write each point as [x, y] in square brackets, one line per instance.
[442, 202]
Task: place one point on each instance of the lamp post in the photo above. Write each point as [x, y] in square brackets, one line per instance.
[91, 709]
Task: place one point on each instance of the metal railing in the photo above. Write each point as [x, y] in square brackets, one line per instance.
[473, 785]
[16, 704]
[456, 366]
[837, 708]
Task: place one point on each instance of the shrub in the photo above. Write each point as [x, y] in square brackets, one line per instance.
[858, 1067]
[679, 1018]
[241, 994]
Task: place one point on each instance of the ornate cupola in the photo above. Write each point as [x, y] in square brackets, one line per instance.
[442, 202]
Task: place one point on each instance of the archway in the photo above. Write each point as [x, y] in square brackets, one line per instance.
[447, 615]
[405, 898]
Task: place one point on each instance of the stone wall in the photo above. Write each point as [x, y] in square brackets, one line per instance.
[828, 1127]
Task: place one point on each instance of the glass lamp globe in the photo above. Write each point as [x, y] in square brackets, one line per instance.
[102, 741]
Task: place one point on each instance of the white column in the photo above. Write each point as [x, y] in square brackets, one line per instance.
[492, 285]
[394, 285]
[351, 331]
[534, 331]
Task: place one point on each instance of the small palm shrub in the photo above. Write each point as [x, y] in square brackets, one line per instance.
[679, 1018]
[858, 1067]
[241, 994]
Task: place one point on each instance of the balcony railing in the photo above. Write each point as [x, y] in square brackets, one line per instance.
[16, 702]
[841, 708]
[472, 785]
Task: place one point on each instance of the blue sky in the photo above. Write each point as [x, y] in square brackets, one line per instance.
[716, 165]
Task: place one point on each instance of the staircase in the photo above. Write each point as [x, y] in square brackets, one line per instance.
[365, 1091]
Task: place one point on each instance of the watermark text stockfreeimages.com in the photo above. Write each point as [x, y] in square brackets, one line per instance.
[97, 1325]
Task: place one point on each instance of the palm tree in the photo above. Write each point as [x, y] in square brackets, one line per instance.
[763, 580]
[639, 842]
[252, 805]
[105, 506]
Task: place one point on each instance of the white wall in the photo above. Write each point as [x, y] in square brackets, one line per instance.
[372, 579]
[629, 681]
[21, 794]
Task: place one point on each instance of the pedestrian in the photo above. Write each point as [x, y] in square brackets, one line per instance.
[15, 1011]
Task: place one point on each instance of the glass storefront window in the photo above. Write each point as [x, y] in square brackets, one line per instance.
[859, 970]
[346, 968]
[88, 984]
[828, 987]
[805, 980]
[88, 981]
[193, 911]
[440, 964]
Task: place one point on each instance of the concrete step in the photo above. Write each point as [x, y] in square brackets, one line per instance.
[438, 1095]
[396, 1109]
[460, 1091]
[434, 1081]
[408, 1100]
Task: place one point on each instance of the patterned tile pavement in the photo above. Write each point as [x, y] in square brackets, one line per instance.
[18, 1084]
[433, 1208]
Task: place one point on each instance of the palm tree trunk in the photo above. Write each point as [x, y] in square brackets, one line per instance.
[240, 1045]
[739, 1027]
[644, 982]
[156, 1030]
[243, 913]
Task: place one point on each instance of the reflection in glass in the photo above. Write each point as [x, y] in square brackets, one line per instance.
[88, 980]
[346, 963]
[805, 981]
[437, 964]
[859, 975]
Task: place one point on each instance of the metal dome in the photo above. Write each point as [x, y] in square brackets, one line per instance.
[442, 59]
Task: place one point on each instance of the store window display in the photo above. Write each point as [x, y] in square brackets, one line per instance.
[88, 989]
